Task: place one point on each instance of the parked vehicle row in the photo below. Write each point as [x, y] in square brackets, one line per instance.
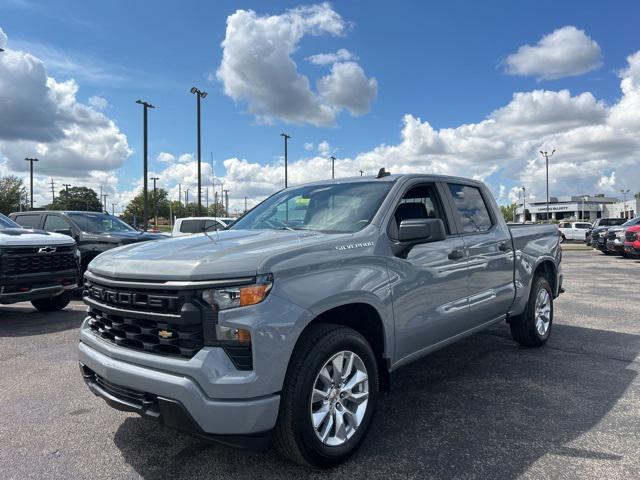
[574, 230]
[613, 239]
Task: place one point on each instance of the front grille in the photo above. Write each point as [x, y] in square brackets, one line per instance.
[26, 260]
[611, 235]
[631, 236]
[147, 320]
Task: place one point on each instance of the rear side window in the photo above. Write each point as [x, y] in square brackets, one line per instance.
[470, 208]
[54, 222]
[583, 225]
[565, 225]
[29, 221]
[192, 226]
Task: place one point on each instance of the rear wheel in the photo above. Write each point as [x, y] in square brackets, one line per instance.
[533, 327]
[329, 397]
[52, 304]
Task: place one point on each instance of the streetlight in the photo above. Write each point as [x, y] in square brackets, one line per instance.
[524, 205]
[333, 166]
[226, 197]
[624, 193]
[155, 202]
[361, 172]
[146, 106]
[546, 156]
[286, 139]
[199, 94]
[31, 160]
[584, 199]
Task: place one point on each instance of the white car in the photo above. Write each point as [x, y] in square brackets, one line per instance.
[191, 225]
[574, 230]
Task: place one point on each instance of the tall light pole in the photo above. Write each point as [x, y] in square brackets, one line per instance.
[546, 156]
[524, 203]
[361, 172]
[146, 106]
[113, 209]
[226, 200]
[186, 200]
[624, 193]
[199, 94]
[31, 160]
[155, 202]
[106, 206]
[333, 166]
[286, 158]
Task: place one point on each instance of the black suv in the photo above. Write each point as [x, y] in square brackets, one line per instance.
[94, 232]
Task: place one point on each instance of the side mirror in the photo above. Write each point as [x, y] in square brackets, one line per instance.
[64, 231]
[421, 230]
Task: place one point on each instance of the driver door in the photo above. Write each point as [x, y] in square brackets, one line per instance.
[429, 286]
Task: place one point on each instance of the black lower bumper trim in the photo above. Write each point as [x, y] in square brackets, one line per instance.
[168, 412]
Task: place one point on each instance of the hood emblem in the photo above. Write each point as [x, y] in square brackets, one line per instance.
[165, 334]
[47, 250]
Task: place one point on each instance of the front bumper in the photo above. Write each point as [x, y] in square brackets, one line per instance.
[632, 248]
[176, 400]
[615, 247]
[25, 288]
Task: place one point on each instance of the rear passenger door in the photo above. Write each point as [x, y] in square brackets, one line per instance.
[28, 220]
[488, 247]
[53, 223]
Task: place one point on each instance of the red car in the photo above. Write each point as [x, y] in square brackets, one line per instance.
[632, 241]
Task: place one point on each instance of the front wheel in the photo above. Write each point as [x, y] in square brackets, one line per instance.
[533, 327]
[52, 304]
[329, 397]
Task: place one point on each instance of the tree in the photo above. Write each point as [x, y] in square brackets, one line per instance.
[136, 206]
[508, 212]
[77, 198]
[216, 210]
[13, 194]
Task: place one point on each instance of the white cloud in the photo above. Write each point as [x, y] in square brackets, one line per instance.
[98, 103]
[342, 55]
[564, 52]
[308, 146]
[257, 67]
[348, 86]
[164, 157]
[185, 158]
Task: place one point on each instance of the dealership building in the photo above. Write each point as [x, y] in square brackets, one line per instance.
[578, 207]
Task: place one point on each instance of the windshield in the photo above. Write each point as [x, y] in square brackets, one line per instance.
[6, 222]
[631, 223]
[331, 208]
[612, 221]
[99, 223]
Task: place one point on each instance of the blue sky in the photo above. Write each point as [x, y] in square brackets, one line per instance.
[442, 62]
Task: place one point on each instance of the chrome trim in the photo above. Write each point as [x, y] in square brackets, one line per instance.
[133, 313]
[175, 284]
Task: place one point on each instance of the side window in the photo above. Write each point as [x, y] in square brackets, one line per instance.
[565, 225]
[420, 201]
[192, 226]
[28, 221]
[211, 226]
[471, 209]
[54, 222]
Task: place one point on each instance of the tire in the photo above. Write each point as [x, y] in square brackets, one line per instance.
[52, 304]
[295, 435]
[525, 328]
[562, 238]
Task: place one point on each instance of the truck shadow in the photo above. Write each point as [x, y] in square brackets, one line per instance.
[483, 407]
[24, 321]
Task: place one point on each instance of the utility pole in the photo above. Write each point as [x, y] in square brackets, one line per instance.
[145, 107]
[66, 187]
[333, 166]
[226, 195]
[113, 209]
[155, 202]
[100, 198]
[245, 204]
[624, 193]
[206, 196]
[186, 200]
[286, 141]
[180, 194]
[524, 203]
[199, 95]
[106, 205]
[546, 156]
[31, 160]
[53, 192]
[215, 204]
[361, 172]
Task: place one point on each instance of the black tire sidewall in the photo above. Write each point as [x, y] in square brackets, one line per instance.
[312, 363]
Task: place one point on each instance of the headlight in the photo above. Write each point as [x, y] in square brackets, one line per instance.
[241, 296]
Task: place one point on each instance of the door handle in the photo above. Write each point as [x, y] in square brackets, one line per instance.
[456, 255]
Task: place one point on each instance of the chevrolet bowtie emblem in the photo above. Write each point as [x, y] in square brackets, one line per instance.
[165, 334]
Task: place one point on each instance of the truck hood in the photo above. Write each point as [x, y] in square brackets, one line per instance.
[25, 237]
[223, 254]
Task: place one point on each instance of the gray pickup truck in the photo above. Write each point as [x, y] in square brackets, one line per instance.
[286, 326]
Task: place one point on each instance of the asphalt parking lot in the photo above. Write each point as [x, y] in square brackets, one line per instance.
[483, 408]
